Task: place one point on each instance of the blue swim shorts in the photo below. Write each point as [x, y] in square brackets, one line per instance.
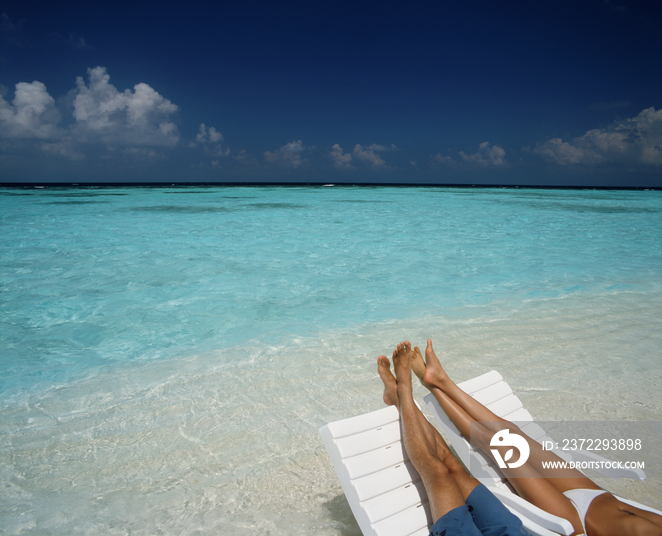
[482, 515]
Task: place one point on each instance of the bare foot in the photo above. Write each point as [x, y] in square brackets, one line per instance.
[434, 375]
[390, 385]
[418, 365]
[402, 358]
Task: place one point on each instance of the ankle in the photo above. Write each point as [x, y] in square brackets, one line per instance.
[405, 390]
[435, 379]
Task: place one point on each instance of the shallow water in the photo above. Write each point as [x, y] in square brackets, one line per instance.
[169, 354]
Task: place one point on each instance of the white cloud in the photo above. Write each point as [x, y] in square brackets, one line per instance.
[340, 159]
[369, 154]
[444, 159]
[565, 153]
[486, 155]
[637, 140]
[377, 148]
[32, 113]
[138, 117]
[210, 135]
[101, 114]
[289, 154]
[292, 147]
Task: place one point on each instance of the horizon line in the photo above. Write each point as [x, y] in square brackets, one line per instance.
[170, 184]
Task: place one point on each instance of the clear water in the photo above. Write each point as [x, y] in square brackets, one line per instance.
[169, 354]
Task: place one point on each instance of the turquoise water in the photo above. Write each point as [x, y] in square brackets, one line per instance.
[169, 353]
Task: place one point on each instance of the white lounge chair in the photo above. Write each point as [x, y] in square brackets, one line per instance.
[492, 391]
[383, 490]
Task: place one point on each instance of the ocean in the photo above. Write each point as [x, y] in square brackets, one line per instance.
[169, 353]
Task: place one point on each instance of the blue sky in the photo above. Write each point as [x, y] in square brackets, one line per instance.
[512, 92]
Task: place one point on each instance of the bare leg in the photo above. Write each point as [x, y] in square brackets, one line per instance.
[420, 443]
[606, 516]
[464, 411]
[465, 482]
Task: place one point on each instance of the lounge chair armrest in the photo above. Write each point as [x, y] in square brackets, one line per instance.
[542, 518]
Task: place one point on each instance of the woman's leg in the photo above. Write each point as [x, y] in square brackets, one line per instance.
[528, 482]
[607, 515]
[461, 407]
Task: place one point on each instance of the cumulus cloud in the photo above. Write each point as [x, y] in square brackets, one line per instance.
[138, 117]
[443, 159]
[340, 159]
[486, 155]
[369, 154]
[210, 135]
[377, 148]
[637, 140]
[289, 154]
[211, 139]
[32, 113]
[564, 153]
[100, 114]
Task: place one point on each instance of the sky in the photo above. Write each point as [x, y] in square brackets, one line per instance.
[535, 92]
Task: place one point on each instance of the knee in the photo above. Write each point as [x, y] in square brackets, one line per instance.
[437, 471]
[453, 465]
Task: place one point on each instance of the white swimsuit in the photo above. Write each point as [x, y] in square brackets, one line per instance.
[581, 499]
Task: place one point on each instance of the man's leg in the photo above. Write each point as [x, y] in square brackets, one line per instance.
[484, 513]
[465, 482]
[420, 443]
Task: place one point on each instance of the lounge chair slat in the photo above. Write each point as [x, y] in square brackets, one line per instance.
[533, 430]
[391, 503]
[375, 460]
[493, 393]
[505, 406]
[389, 479]
[480, 382]
[520, 416]
[369, 440]
[362, 423]
[405, 523]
